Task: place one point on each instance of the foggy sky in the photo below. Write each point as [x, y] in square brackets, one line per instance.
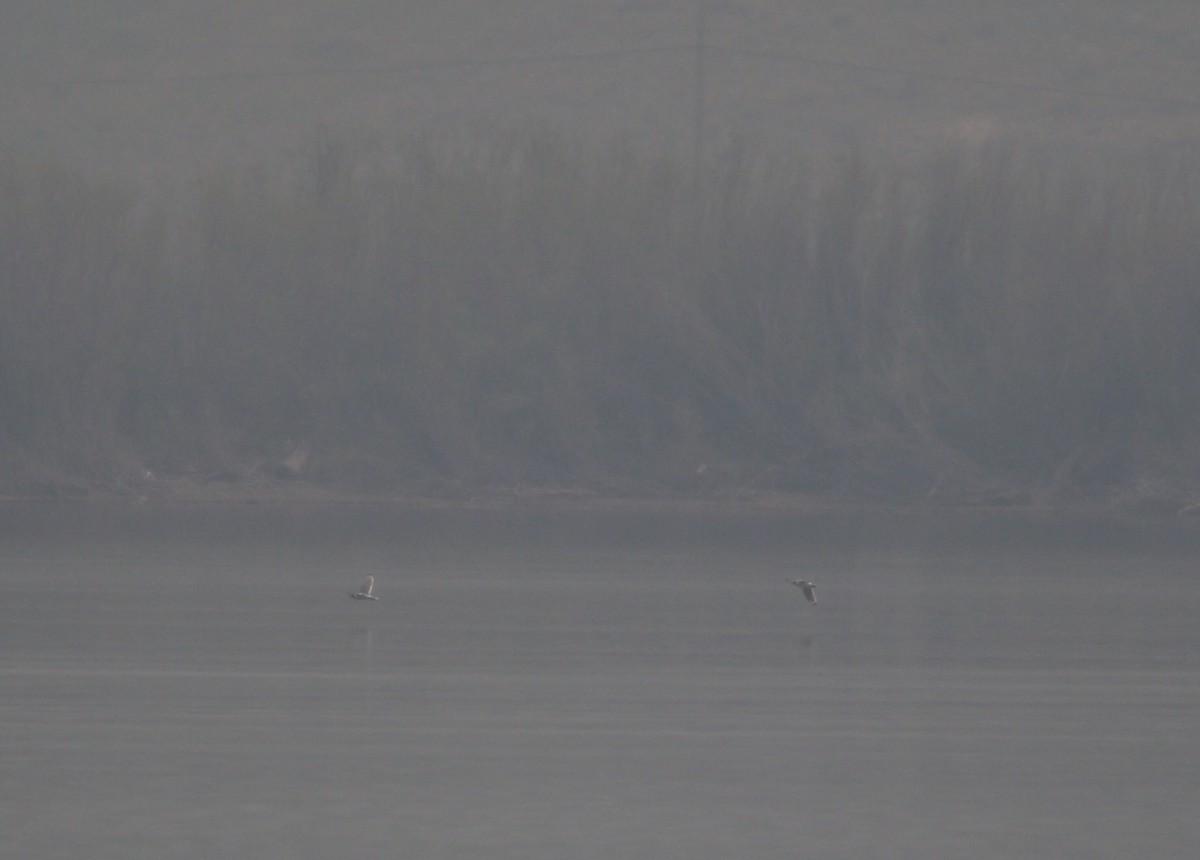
[142, 86]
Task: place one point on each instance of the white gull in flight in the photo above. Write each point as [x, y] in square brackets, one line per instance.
[366, 591]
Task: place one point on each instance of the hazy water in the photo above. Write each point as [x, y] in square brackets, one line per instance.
[197, 684]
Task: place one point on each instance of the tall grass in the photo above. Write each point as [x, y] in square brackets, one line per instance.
[530, 309]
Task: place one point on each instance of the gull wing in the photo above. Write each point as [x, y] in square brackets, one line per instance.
[810, 590]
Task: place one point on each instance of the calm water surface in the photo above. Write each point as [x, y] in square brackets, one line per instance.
[196, 683]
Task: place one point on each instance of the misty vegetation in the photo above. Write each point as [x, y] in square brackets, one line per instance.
[998, 323]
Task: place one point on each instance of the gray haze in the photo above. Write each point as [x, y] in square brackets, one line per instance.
[917, 252]
[451, 248]
[146, 86]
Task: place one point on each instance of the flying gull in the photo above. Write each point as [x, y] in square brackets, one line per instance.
[810, 590]
[366, 591]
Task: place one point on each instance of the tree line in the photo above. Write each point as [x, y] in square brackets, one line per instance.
[1003, 321]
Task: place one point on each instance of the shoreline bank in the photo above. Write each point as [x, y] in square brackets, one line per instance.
[189, 492]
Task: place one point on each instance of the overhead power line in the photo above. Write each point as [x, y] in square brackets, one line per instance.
[947, 77]
[364, 71]
[698, 49]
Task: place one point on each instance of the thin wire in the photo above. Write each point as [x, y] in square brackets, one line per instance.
[381, 71]
[958, 79]
[611, 55]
